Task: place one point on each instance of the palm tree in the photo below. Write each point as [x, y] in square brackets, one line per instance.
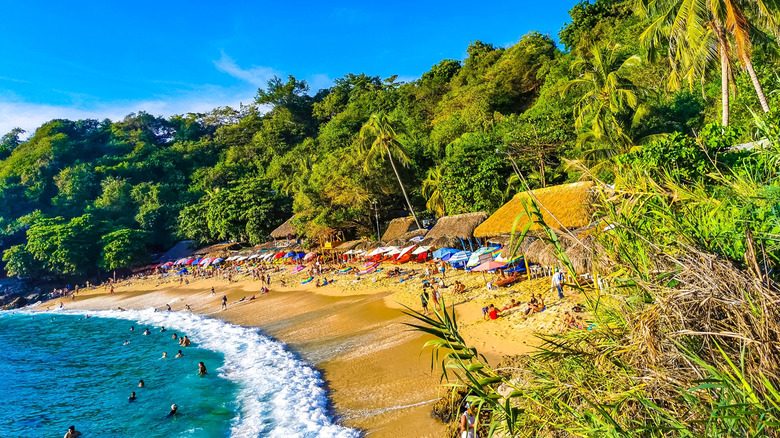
[698, 33]
[609, 104]
[431, 191]
[377, 138]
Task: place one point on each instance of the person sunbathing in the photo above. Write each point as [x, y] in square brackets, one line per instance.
[512, 304]
[535, 304]
[490, 312]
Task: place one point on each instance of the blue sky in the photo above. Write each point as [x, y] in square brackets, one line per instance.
[106, 59]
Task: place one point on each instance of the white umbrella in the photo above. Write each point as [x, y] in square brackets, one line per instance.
[205, 261]
[421, 250]
[349, 252]
[405, 250]
[393, 250]
[380, 250]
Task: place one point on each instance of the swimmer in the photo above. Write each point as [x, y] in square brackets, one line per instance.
[179, 355]
[126, 342]
[141, 383]
[187, 341]
[147, 332]
[201, 369]
[162, 329]
[174, 411]
[174, 336]
[132, 328]
[132, 397]
[72, 432]
[165, 355]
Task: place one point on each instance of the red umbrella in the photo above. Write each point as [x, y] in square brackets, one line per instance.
[281, 254]
[489, 266]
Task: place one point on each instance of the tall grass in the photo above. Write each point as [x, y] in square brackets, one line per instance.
[684, 342]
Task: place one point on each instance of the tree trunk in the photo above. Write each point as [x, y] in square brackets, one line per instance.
[757, 85]
[392, 163]
[724, 82]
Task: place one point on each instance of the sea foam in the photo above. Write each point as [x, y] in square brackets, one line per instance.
[280, 395]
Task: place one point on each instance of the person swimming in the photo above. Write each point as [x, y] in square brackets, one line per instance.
[174, 336]
[126, 342]
[72, 433]
[162, 329]
[141, 383]
[147, 332]
[202, 369]
[165, 355]
[174, 411]
[179, 355]
[132, 397]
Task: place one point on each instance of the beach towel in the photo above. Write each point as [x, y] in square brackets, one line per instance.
[308, 280]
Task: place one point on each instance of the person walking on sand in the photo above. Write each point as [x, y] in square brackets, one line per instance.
[212, 291]
[468, 423]
[224, 302]
[557, 282]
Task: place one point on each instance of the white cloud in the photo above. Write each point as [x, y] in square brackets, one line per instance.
[256, 75]
[318, 82]
[29, 116]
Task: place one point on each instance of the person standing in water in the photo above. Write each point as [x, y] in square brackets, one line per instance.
[132, 397]
[72, 432]
[201, 369]
[174, 411]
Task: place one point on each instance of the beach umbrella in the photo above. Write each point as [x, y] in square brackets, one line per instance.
[349, 252]
[404, 251]
[189, 262]
[309, 256]
[421, 250]
[217, 261]
[489, 266]
[442, 252]
[205, 261]
[289, 254]
[392, 250]
[279, 255]
[298, 256]
[168, 264]
[461, 256]
[183, 271]
[241, 258]
[380, 250]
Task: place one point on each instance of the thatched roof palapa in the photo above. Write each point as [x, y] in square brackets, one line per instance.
[284, 230]
[458, 226]
[565, 206]
[398, 227]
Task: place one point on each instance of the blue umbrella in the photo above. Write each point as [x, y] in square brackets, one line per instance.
[299, 256]
[442, 252]
[183, 271]
[289, 254]
[461, 256]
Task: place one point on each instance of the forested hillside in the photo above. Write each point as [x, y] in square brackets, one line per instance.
[622, 86]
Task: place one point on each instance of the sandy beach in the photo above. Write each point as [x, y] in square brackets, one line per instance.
[378, 376]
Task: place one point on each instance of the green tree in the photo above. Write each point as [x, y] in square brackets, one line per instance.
[123, 248]
[20, 263]
[609, 103]
[432, 193]
[377, 139]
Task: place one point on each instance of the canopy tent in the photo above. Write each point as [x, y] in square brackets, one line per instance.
[442, 252]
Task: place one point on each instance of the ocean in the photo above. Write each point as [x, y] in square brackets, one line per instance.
[63, 369]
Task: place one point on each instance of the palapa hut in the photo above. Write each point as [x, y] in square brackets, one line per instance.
[565, 208]
[450, 230]
[285, 231]
[398, 227]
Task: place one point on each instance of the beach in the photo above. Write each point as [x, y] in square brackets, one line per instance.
[378, 376]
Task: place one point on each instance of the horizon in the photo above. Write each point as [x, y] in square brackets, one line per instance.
[85, 63]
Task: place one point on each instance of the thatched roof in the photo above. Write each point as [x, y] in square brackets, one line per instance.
[350, 244]
[284, 230]
[457, 226]
[568, 205]
[217, 249]
[398, 227]
[442, 242]
[181, 249]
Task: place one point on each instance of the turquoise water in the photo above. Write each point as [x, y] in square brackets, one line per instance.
[65, 369]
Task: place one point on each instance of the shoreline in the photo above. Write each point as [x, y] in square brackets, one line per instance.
[375, 370]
